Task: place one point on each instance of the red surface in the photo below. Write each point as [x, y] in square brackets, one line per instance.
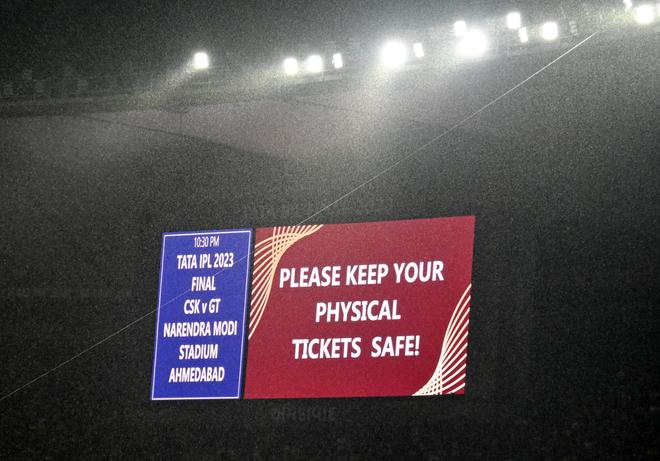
[425, 309]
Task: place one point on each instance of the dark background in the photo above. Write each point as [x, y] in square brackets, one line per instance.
[562, 176]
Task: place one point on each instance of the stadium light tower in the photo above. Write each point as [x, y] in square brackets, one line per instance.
[337, 61]
[514, 20]
[200, 61]
[394, 55]
[460, 28]
[550, 31]
[290, 66]
[474, 44]
[644, 14]
[314, 64]
[418, 50]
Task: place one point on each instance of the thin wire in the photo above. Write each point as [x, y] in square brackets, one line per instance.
[446, 132]
[84, 351]
[334, 202]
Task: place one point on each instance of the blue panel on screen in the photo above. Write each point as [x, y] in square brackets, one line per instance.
[202, 306]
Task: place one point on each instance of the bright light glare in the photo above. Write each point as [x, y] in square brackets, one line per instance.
[418, 50]
[337, 61]
[513, 20]
[314, 64]
[550, 31]
[200, 61]
[474, 44]
[460, 28]
[628, 4]
[522, 35]
[394, 54]
[644, 14]
[291, 66]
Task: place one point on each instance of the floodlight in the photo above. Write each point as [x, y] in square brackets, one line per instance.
[644, 14]
[200, 61]
[522, 35]
[337, 61]
[393, 54]
[513, 20]
[418, 50]
[550, 31]
[291, 66]
[474, 44]
[314, 64]
[460, 28]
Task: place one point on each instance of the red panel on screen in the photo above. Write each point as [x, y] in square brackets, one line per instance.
[391, 319]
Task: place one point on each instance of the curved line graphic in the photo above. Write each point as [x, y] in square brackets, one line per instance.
[267, 255]
[449, 374]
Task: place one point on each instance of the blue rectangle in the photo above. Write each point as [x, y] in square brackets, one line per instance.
[200, 340]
